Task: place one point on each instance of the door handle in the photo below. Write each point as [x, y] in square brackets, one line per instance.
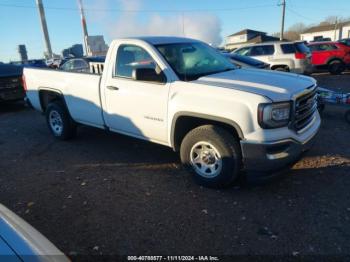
[113, 88]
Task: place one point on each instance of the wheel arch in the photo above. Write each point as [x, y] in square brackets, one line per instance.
[273, 67]
[183, 122]
[334, 58]
[48, 95]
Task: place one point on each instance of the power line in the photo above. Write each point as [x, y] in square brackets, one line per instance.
[298, 14]
[144, 10]
[320, 9]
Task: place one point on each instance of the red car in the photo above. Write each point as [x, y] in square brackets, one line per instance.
[333, 56]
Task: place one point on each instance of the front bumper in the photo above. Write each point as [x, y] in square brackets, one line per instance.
[273, 156]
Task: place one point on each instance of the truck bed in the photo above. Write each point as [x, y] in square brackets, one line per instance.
[81, 92]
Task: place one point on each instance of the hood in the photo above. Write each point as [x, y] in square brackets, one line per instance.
[277, 86]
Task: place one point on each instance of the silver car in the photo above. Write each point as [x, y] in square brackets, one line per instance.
[282, 56]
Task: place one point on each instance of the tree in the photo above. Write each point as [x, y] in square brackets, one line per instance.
[294, 31]
[333, 19]
[298, 28]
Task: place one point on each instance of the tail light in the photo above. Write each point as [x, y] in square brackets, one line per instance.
[24, 84]
[299, 55]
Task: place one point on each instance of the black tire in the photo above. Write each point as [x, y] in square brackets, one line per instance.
[226, 145]
[59, 121]
[336, 67]
[347, 116]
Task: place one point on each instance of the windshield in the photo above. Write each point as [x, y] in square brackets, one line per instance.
[191, 61]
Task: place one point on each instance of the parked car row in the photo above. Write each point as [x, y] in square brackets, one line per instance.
[301, 57]
[282, 56]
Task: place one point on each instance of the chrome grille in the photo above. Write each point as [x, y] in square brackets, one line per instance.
[305, 108]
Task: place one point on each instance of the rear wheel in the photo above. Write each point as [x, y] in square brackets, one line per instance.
[59, 121]
[213, 156]
[336, 67]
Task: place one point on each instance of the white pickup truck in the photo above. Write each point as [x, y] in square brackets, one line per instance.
[182, 93]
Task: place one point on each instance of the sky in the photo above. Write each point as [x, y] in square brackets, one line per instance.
[208, 20]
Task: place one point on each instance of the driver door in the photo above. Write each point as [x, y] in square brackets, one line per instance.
[133, 107]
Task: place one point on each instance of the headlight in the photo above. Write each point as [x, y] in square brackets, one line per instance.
[274, 115]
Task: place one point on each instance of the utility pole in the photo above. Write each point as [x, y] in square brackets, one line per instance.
[39, 3]
[83, 23]
[283, 16]
[335, 28]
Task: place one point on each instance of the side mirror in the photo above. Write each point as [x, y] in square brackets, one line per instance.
[148, 75]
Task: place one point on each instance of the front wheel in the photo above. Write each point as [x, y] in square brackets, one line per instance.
[59, 121]
[213, 155]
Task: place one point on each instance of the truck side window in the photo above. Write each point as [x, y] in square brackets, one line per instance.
[130, 57]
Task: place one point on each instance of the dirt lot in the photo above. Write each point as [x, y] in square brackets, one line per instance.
[109, 194]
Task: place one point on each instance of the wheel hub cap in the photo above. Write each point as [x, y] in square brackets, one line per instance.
[56, 122]
[205, 159]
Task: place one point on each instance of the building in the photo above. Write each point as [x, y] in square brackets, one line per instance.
[22, 50]
[96, 46]
[247, 36]
[73, 51]
[331, 32]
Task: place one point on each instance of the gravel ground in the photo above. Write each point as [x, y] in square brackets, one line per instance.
[109, 194]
